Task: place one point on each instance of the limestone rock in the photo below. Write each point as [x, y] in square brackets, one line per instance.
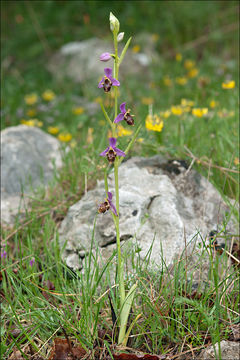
[161, 204]
[28, 159]
[80, 62]
[230, 350]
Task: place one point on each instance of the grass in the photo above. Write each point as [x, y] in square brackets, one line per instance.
[48, 299]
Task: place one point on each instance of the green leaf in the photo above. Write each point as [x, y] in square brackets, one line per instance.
[124, 50]
[125, 313]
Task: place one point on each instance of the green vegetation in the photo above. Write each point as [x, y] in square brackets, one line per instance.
[198, 45]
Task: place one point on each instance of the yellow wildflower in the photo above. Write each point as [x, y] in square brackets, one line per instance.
[185, 102]
[48, 95]
[27, 122]
[53, 130]
[186, 108]
[90, 136]
[189, 64]
[32, 122]
[177, 110]
[136, 49]
[178, 57]
[154, 123]
[140, 140]
[123, 132]
[193, 73]
[213, 104]
[38, 123]
[73, 144]
[199, 112]
[165, 113]
[181, 80]
[167, 81]
[65, 137]
[98, 100]
[228, 85]
[147, 100]
[31, 99]
[31, 112]
[78, 110]
[236, 161]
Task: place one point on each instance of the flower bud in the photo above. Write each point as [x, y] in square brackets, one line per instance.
[105, 56]
[120, 36]
[114, 23]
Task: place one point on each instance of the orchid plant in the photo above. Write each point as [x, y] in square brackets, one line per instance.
[114, 156]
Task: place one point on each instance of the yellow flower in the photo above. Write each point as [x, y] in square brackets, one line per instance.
[38, 123]
[147, 100]
[27, 122]
[154, 123]
[178, 57]
[189, 64]
[136, 49]
[140, 140]
[31, 112]
[193, 73]
[32, 122]
[53, 130]
[165, 113]
[73, 144]
[65, 137]
[185, 102]
[123, 132]
[177, 110]
[181, 80]
[31, 99]
[236, 161]
[213, 104]
[167, 81]
[98, 100]
[90, 136]
[186, 108]
[199, 112]
[48, 95]
[228, 85]
[78, 110]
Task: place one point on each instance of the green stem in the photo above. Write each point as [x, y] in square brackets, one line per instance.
[116, 218]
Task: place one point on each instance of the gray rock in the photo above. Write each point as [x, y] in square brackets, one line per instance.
[28, 159]
[156, 206]
[230, 350]
[80, 62]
